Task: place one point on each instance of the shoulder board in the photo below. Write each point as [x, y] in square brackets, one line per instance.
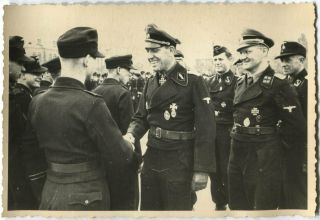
[92, 93]
[267, 81]
[280, 76]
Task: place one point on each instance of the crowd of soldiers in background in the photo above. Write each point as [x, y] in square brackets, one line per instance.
[230, 92]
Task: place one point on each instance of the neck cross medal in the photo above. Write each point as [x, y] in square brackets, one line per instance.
[162, 79]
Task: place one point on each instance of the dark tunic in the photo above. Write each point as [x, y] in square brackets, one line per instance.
[75, 127]
[255, 160]
[182, 103]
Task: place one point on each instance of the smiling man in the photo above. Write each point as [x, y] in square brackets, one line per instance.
[176, 109]
[221, 88]
[262, 99]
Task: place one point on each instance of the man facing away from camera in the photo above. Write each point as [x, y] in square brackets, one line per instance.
[76, 130]
[176, 109]
[262, 99]
[123, 183]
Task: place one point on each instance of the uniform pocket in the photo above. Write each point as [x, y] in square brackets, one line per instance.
[86, 201]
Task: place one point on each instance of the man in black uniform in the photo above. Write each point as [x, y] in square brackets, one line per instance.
[262, 98]
[221, 88]
[24, 184]
[76, 130]
[292, 56]
[176, 109]
[124, 189]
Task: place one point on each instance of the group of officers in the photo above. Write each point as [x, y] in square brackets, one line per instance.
[75, 149]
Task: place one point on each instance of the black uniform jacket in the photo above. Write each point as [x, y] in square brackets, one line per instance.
[118, 99]
[266, 102]
[74, 126]
[20, 165]
[221, 89]
[182, 103]
[301, 84]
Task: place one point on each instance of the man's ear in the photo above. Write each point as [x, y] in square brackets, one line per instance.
[118, 70]
[86, 60]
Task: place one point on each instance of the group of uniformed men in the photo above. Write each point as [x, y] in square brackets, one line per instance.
[74, 149]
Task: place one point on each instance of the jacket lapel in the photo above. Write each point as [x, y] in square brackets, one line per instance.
[245, 94]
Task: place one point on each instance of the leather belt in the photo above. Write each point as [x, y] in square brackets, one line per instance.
[171, 135]
[73, 168]
[254, 130]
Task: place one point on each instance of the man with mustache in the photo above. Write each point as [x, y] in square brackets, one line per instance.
[221, 88]
[292, 56]
[176, 109]
[262, 99]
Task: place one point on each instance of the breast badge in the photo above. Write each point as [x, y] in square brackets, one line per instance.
[166, 115]
[246, 122]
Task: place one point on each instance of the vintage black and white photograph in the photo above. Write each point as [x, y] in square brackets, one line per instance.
[209, 109]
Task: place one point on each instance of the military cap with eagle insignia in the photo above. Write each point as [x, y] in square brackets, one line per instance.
[156, 37]
[250, 37]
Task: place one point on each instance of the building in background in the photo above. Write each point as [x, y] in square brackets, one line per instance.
[44, 52]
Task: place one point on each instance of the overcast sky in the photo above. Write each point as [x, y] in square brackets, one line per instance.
[198, 26]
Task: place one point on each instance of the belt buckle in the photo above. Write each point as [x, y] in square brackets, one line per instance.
[158, 132]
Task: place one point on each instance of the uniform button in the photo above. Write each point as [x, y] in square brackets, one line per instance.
[260, 170]
[86, 202]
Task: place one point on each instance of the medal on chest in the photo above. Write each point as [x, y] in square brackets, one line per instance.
[246, 122]
[166, 115]
[223, 104]
[255, 111]
[173, 108]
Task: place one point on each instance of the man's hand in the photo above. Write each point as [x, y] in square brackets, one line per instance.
[199, 181]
